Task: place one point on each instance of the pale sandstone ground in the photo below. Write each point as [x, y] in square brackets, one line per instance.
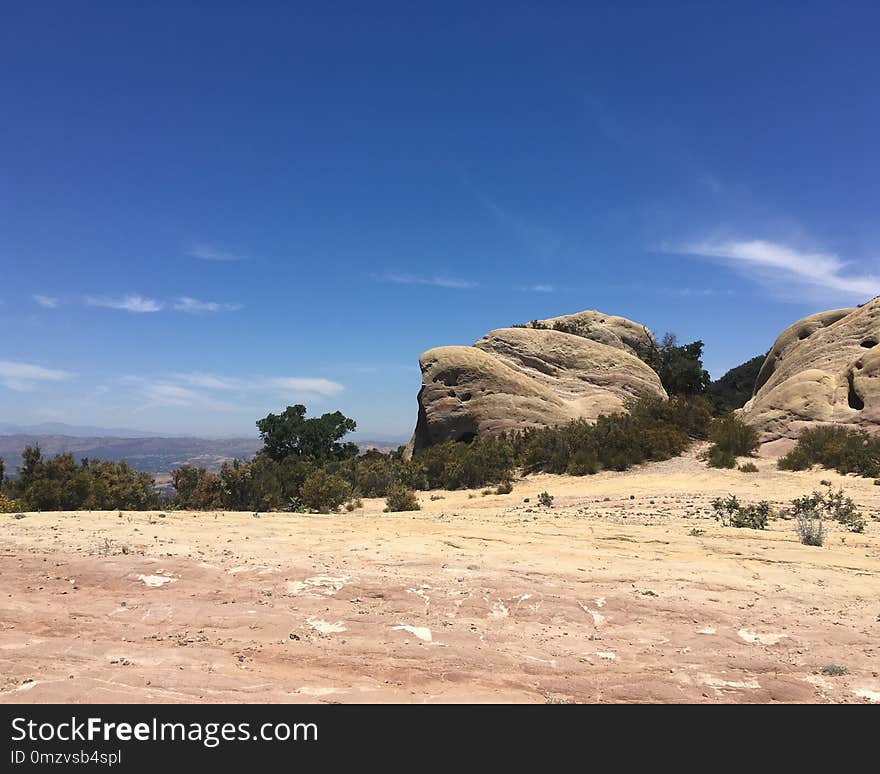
[474, 599]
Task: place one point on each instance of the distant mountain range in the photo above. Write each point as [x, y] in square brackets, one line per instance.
[77, 431]
[150, 453]
[156, 454]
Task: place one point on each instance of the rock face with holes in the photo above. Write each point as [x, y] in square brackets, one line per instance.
[515, 378]
[824, 369]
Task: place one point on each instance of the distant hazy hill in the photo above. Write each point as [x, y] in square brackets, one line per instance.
[76, 431]
[152, 454]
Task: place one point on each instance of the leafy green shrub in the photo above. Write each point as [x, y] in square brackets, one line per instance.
[810, 528]
[716, 458]
[748, 467]
[796, 459]
[551, 449]
[840, 448]
[8, 505]
[834, 670]
[730, 434]
[618, 441]
[545, 499]
[375, 473]
[653, 429]
[324, 492]
[466, 465]
[734, 514]
[834, 505]
[505, 487]
[583, 462]
[60, 484]
[691, 414]
[401, 499]
[196, 489]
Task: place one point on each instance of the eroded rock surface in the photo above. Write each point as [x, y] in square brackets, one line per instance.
[824, 369]
[532, 376]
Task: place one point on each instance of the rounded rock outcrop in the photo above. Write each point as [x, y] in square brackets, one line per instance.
[531, 376]
[823, 369]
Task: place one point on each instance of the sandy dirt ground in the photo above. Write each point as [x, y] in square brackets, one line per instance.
[608, 596]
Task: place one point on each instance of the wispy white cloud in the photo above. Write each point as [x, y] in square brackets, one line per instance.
[216, 392]
[210, 381]
[439, 282]
[48, 302]
[780, 262]
[194, 306]
[300, 385]
[695, 292]
[711, 184]
[660, 290]
[207, 252]
[538, 288]
[281, 385]
[130, 303]
[170, 395]
[22, 376]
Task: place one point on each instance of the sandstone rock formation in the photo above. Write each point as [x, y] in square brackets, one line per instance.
[823, 369]
[606, 329]
[532, 376]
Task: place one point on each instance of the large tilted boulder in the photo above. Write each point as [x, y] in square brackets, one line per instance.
[604, 328]
[515, 378]
[824, 369]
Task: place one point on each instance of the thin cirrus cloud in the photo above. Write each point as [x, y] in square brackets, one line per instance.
[779, 262]
[206, 252]
[296, 385]
[437, 282]
[47, 302]
[141, 305]
[130, 303]
[227, 393]
[194, 306]
[24, 376]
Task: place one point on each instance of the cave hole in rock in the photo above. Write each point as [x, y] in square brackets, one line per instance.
[868, 343]
[853, 399]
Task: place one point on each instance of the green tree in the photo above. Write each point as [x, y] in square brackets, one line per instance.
[680, 368]
[31, 466]
[59, 484]
[290, 434]
[735, 388]
[196, 489]
[237, 486]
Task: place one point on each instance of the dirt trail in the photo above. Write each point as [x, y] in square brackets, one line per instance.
[605, 597]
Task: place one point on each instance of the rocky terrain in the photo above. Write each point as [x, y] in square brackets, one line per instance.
[822, 369]
[625, 590]
[546, 373]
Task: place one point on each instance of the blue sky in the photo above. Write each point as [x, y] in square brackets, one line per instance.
[209, 211]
